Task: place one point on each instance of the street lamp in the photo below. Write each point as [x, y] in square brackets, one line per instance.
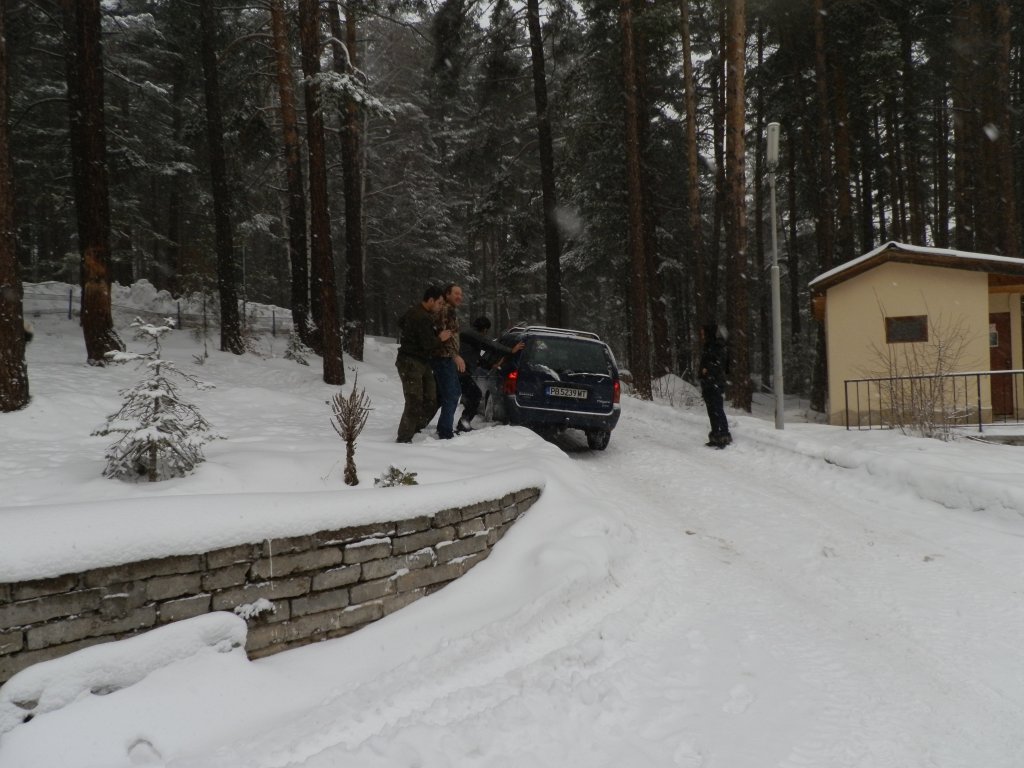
[773, 162]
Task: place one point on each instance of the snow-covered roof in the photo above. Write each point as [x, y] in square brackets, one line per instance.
[917, 254]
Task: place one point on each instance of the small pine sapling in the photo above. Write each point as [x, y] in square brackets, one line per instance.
[394, 477]
[202, 331]
[161, 434]
[350, 415]
[296, 350]
[252, 339]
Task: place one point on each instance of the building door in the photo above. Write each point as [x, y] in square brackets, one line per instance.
[1000, 359]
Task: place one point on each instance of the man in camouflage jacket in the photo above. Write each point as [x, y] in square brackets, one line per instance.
[419, 340]
[447, 363]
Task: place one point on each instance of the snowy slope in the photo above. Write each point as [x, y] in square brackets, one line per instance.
[809, 597]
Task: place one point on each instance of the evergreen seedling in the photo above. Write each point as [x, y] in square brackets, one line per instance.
[395, 476]
[296, 350]
[161, 435]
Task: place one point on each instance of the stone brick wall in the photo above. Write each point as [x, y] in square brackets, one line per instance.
[291, 591]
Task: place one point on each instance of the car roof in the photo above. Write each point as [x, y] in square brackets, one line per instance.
[543, 330]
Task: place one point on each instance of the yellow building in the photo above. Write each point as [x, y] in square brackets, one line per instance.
[912, 311]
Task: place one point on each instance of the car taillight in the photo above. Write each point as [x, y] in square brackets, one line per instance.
[510, 382]
[616, 391]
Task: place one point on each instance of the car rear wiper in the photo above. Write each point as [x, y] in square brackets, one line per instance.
[541, 368]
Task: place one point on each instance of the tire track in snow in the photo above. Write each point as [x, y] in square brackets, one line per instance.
[861, 622]
[530, 651]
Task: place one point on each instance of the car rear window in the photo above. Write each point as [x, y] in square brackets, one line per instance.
[568, 355]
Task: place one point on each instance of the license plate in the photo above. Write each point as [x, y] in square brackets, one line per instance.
[579, 394]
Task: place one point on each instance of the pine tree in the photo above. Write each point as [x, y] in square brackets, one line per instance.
[230, 321]
[161, 435]
[321, 249]
[84, 56]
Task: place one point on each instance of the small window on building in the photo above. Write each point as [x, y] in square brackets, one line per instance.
[993, 335]
[905, 330]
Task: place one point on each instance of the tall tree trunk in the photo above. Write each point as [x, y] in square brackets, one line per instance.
[941, 165]
[897, 181]
[552, 244]
[640, 346]
[1004, 191]
[718, 135]
[865, 160]
[230, 326]
[89, 173]
[14, 392]
[884, 232]
[843, 170]
[764, 327]
[911, 151]
[793, 260]
[346, 62]
[798, 144]
[1017, 55]
[694, 229]
[966, 126]
[661, 348]
[319, 217]
[826, 195]
[298, 258]
[736, 234]
[174, 184]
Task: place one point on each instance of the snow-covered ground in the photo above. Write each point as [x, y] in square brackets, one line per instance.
[807, 597]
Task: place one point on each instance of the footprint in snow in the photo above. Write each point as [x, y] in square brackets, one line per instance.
[740, 699]
[687, 756]
[141, 752]
[696, 639]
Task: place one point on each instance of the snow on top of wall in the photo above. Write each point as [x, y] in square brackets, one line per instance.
[96, 534]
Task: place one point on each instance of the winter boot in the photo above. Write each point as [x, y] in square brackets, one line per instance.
[718, 441]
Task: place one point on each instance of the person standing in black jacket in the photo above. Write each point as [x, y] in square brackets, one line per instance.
[474, 342]
[714, 365]
[419, 340]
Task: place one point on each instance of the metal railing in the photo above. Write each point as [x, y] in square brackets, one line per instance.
[938, 399]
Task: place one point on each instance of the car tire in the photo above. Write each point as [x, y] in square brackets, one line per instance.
[597, 439]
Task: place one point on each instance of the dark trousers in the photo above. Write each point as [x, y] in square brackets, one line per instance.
[446, 375]
[471, 395]
[715, 403]
[420, 396]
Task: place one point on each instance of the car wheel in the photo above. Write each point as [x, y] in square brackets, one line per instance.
[598, 439]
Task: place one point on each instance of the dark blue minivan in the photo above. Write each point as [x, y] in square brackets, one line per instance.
[562, 379]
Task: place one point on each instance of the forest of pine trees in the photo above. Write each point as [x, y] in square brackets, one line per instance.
[595, 164]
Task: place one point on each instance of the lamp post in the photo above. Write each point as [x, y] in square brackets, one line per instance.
[777, 384]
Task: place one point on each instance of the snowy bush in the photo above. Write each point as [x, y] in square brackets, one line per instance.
[161, 435]
[395, 476]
